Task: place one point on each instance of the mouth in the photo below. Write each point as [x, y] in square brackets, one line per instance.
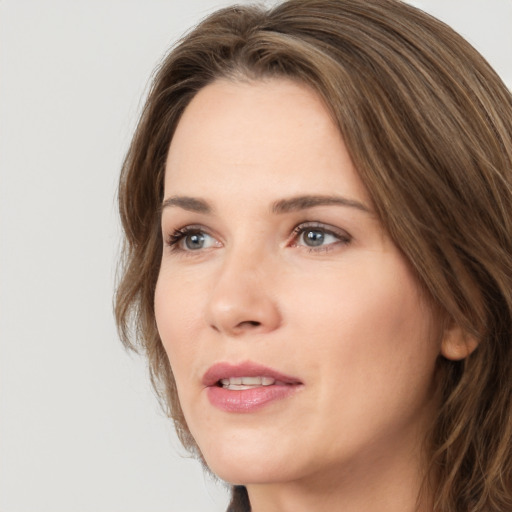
[246, 375]
[246, 387]
[243, 383]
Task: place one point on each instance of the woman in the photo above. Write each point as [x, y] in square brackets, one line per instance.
[317, 205]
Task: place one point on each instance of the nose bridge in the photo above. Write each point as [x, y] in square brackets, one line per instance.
[242, 298]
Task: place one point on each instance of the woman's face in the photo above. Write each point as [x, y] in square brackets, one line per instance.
[276, 269]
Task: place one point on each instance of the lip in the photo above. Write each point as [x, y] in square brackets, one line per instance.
[249, 400]
[247, 369]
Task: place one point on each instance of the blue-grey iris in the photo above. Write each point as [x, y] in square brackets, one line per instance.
[314, 238]
[194, 241]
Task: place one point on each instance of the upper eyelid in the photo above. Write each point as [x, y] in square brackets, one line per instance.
[328, 228]
[295, 231]
[190, 229]
[174, 238]
[343, 238]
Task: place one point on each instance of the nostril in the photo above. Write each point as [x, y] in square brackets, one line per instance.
[250, 323]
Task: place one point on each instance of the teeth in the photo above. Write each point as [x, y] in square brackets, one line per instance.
[257, 381]
[241, 383]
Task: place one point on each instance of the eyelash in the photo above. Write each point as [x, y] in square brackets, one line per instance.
[343, 237]
[178, 235]
[174, 238]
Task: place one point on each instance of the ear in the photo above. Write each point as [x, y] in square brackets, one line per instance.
[457, 344]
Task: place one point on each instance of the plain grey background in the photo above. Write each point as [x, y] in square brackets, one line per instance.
[80, 429]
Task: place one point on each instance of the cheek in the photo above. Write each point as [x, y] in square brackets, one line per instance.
[370, 321]
[371, 350]
[177, 319]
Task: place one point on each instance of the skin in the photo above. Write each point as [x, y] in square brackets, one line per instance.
[345, 317]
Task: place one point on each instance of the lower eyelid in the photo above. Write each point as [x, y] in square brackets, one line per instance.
[326, 247]
[341, 236]
[175, 238]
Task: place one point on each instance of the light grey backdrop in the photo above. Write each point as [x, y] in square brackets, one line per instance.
[80, 429]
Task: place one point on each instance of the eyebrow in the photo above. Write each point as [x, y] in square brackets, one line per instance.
[305, 202]
[194, 204]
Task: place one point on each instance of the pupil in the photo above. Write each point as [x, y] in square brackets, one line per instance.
[194, 241]
[314, 238]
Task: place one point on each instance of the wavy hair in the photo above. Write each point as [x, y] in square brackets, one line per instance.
[428, 125]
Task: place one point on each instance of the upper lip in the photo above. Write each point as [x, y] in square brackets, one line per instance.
[247, 369]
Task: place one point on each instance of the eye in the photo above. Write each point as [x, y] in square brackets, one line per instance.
[319, 237]
[316, 237]
[191, 239]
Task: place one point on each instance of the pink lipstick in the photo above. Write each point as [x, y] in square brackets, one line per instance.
[246, 387]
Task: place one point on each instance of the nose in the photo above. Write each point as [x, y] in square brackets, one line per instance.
[242, 301]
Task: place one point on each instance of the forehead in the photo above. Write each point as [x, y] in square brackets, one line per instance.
[269, 136]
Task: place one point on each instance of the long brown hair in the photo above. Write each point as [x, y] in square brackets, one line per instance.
[428, 125]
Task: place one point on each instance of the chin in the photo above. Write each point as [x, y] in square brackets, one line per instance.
[239, 465]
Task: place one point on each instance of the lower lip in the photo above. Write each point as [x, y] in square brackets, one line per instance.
[248, 400]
